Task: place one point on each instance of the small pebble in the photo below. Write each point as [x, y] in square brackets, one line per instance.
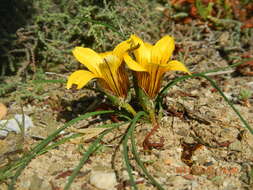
[105, 180]
[15, 124]
[236, 146]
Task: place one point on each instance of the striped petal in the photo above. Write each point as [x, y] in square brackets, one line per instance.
[112, 62]
[110, 75]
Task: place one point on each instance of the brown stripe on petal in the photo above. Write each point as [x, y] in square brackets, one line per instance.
[123, 80]
[104, 85]
[143, 80]
[151, 82]
[113, 82]
[158, 80]
[154, 80]
[106, 82]
[158, 85]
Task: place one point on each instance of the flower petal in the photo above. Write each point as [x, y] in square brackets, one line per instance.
[148, 45]
[111, 62]
[103, 55]
[88, 57]
[109, 73]
[162, 50]
[177, 66]
[133, 65]
[122, 48]
[80, 78]
[143, 52]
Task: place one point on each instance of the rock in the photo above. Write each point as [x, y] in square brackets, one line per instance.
[10, 144]
[125, 176]
[247, 137]
[103, 178]
[15, 124]
[236, 146]
[36, 183]
[189, 140]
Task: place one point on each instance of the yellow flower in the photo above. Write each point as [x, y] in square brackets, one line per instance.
[107, 67]
[152, 61]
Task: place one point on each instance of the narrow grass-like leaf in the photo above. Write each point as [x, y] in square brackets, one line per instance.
[56, 144]
[172, 83]
[140, 163]
[62, 141]
[125, 148]
[27, 158]
[92, 148]
[224, 68]
[72, 122]
[229, 103]
[6, 171]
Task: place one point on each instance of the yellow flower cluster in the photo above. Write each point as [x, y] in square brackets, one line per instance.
[149, 63]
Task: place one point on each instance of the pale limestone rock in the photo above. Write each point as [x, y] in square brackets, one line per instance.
[103, 179]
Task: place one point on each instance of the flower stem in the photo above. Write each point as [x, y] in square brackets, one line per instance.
[117, 101]
[148, 105]
[129, 108]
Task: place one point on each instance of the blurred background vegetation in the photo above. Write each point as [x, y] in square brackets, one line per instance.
[40, 34]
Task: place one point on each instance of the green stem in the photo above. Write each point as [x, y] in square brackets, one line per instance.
[147, 104]
[129, 108]
[117, 101]
[152, 116]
